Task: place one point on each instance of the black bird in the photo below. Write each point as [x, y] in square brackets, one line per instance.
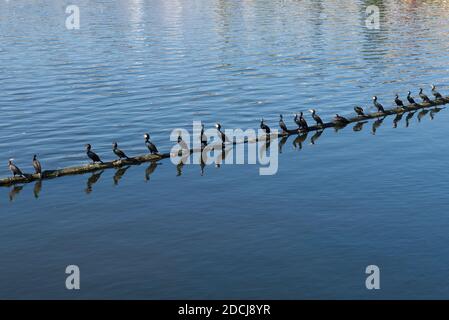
[119, 153]
[304, 125]
[203, 137]
[92, 155]
[282, 124]
[410, 98]
[15, 169]
[264, 127]
[223, 137]
[150, 145]
[435, 93]
[398, 101]
[379, 107]
[297, 120]
[315, 117]
[359, 111]
[340, 119]
[37, 166]
[423, 96]
[182, 143]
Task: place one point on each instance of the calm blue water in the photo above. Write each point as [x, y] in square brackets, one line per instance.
[350, 200]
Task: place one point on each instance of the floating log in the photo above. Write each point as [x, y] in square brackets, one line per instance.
[51, 174]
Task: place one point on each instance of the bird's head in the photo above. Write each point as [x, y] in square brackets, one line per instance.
[409, 93]
[114, 144]
[88, 146]
[146, 136]
[10, 161]
[35, 157]
[420, 90]
[374, 98]
[218, 126]
[312, 110]
[433, 87]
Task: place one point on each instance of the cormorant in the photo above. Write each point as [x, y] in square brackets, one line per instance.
[282, 124]
[92, 155]
[398, 101]
[410, 98]
[37, 165]
[315, 117]
[150, 145]
[423, 96]
[203, 137]
[223, 137]
[435, 93]
[264, 127]
[119, 153]
[340, 119]
[15, 169]
[303, 122]
[359, 111]
[379, 107]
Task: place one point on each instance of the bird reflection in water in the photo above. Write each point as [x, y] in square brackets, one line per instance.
[359, 126]
[119, 174]
[316, 136]
[434, 111]
[149, 170]
[421, 114]
[282, 143]
[14, 191]
[408, 118]
[297, 143]
[376, 125]
[92, 180]
[221, 156]
[397, 119]
[37, 188]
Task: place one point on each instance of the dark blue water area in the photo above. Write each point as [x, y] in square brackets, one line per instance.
[351, 199]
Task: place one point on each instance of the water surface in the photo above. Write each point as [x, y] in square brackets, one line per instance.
[352, 199]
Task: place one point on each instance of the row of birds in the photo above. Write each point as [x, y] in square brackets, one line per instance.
[16, 171]
[302, 123]
[299, 120]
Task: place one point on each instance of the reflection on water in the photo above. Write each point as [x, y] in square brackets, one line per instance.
[153, 66]
[93, 179]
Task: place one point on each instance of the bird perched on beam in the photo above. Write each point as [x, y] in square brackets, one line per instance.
[398, 101]
[379, 107]
[119, 153]
[410, 98]
[37, 166]
[150, 145]
[92, 155]
[435, 93]
[340, 119]
[282, 124]
[317, 119]
[423, 96]
[264, 127]
[15, 169]
[359, 111]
